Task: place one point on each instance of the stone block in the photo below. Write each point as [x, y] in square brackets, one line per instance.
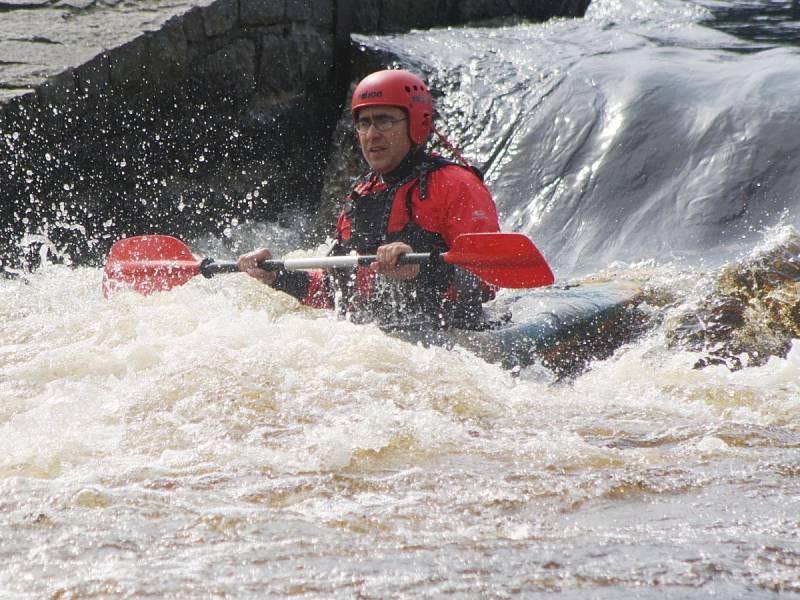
[59, 89]
[262, 12]
[126, 64]
[298, 10]
[10, 95]
[220, 18]
[470, 10]
[399, 16]
[193, 26]
[94, 76]
[366, 16]
[278, 71]
[314, 57]
[22, 108]
[322, 13]
[167, 57]
[230, 71]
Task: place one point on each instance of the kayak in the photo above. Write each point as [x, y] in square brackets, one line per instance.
[561, 327]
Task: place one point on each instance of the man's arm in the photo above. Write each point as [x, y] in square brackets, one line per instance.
[309, 288]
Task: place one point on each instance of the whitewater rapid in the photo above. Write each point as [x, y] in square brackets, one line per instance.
[221, 440]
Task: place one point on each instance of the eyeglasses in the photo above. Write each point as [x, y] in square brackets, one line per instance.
[381, 123]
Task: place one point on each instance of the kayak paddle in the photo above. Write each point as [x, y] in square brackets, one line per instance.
[152, 263]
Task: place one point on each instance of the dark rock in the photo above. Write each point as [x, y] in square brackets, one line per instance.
[752, 313]
[322, 14]
[313, 57]
[298, 10]
[220, 18]
[193, 27]
[94, 76]
[167, 55]
[126, 64]
[277, 73]
[79, 4]
[59, 89]
[231, 71]
[397, 16]
[366, 16]
[261, 12]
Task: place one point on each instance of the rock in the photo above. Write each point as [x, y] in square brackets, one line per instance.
[752, 313]
[258, 12]
[167, 56]
[16, 4]
[93, 77]
[231, 70]
[298, 10]
[220, 18]
[278, 63]
[79, 4]
[59, 89]
[126, 64]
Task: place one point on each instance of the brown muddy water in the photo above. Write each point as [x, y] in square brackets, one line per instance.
[221, 441]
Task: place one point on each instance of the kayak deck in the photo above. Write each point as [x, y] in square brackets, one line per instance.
[561, 327]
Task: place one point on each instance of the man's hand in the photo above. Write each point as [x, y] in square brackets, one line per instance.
[386, 263]
[248, 263]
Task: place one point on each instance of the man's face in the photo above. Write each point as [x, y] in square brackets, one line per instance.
[383, 150]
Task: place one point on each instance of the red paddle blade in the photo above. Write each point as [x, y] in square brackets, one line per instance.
[147, 264]
[505, 259]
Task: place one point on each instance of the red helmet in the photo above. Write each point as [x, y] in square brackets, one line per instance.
[402, 89]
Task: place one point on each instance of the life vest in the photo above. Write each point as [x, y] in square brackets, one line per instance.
[365, 225]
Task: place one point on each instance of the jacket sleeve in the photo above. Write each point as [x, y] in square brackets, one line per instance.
[309, 288]
[469, 206]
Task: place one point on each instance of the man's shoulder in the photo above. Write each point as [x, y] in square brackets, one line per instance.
[454, 174]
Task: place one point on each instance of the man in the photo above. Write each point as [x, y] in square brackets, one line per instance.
[411, 201]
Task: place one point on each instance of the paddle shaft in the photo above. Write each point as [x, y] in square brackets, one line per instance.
[157, 262]
[209, 268]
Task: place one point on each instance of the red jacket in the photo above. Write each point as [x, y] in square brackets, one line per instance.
[427, 203]
[457, 202]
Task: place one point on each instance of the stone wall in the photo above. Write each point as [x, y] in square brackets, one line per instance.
[218, 114]
[178, 116]
[384, 16]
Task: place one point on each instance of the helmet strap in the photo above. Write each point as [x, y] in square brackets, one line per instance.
[452, 148]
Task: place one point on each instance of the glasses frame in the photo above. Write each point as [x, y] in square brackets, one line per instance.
[387, 123]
